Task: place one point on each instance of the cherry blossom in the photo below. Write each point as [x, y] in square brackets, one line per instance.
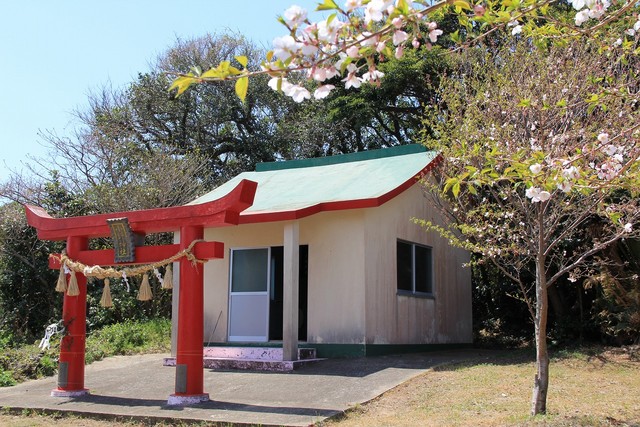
[353, 52]
[535, 168]
[352, 81]
[603, 137]
[294, 16]
[372, 75]
[328, 30]
[323, 91]
[400, 36]
[399, 52]
[374, 10]
[285, 47]
[352, 4]
[296, 92]
[537, 195]
[434, 32]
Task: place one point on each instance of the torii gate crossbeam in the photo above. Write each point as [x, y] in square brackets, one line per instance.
[190, 221]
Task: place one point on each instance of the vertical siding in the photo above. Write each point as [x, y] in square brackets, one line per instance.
[399, 319]
[336, 274]
[336, 277]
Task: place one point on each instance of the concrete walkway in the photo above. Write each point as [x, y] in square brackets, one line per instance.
[138, 387]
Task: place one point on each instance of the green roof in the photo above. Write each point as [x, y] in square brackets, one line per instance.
[297, 188]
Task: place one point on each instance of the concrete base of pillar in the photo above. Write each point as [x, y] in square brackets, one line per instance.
[69, 393]
[187, 399]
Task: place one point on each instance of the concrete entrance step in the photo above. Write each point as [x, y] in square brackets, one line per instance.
[255, 353]
[251, 358]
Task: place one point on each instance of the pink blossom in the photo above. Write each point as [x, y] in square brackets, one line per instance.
[434, 32]
[353, 52]
[535, 168]
[328, 31]
[571, 172]
[610, 150]
[478, 10]
[415, 43]
[399, 52]
[323, 91]
[400, 36]
[284, 47]
[581, 17]
[374, 11]
[628, 227]
[372, 75]
[297, 92]
[564, 186]
[365, 39]
[352, 80]
[294, 16]
[308, 49]
[603, 137]
[352, 4]
[537, 195]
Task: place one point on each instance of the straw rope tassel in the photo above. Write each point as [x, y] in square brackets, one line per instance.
[73, 285]
[106, 301]
[61, 285]
[144, 294]
[167, 282]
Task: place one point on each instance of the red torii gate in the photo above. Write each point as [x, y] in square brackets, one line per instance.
[190, 220]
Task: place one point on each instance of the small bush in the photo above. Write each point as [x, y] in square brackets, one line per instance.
[6, 379]
[152, 336]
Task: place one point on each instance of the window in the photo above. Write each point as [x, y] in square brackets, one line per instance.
[415, 268]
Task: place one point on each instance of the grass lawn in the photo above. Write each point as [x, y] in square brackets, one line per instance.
[588, 387]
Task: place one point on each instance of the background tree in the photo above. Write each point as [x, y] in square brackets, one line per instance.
[352, 120]
[541, 166]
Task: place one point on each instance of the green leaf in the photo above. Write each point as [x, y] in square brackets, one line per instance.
[462, 4]
[234, 71]
[561, 103]
[524, 103]
[456, 189]
[327, 5]
[214, 73]
[455, 36]
[242, 86]
[403, 6]
[182, 83]
[242, 60]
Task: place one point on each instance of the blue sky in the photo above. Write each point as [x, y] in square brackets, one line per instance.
[53, 53]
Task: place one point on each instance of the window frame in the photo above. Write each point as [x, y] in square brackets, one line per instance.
[430, 283]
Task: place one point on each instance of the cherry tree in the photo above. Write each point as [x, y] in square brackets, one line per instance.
[541, 141]
[541, 166]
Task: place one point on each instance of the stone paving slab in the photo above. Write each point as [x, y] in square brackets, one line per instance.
[138, 387]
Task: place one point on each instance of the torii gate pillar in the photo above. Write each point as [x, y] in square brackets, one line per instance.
[74, 319]
[189, 386]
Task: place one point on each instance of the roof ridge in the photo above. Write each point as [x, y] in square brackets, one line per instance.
[399, 150]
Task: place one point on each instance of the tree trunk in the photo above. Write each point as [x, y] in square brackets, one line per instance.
[541, 381]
